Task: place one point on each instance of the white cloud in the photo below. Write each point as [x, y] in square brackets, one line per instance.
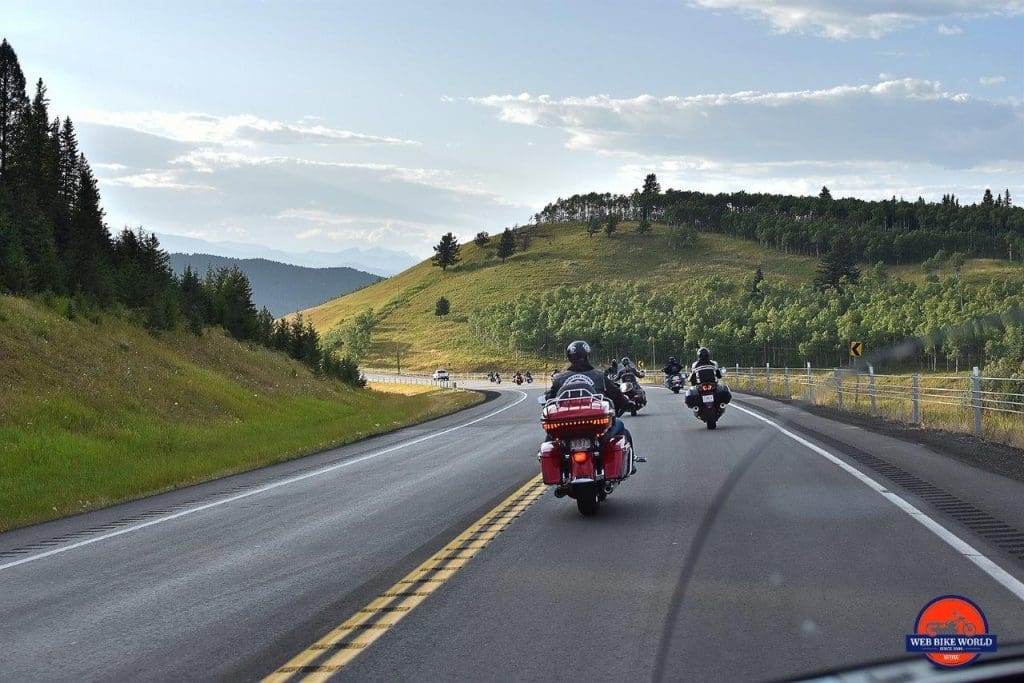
[908, 120]
[162, 180]
[992, 80]
[841, 19]
[953, 30]
[109, 167]
[239, 130]
[339, 227]
[206, 160]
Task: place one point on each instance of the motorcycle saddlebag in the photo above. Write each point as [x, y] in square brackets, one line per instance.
[551, 463]
[615, 457]
[692, 397]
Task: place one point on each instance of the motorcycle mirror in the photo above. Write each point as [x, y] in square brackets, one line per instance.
[723, 372]
[541, 400]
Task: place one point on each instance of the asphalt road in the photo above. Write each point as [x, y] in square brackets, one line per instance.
[738, 554]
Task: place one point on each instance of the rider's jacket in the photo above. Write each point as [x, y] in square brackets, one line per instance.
[672, 369]
[704, 373]
[585, 376]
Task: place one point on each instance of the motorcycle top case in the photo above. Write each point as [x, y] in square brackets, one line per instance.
[551, 462]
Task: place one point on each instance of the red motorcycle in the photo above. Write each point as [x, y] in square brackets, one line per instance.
[580, 459]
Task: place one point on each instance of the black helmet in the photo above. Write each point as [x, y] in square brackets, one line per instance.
[578, 352]
[673, 359]
[703, 354]
[626, 362]
[615, 362]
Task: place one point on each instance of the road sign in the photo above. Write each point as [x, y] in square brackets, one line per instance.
[856, 349]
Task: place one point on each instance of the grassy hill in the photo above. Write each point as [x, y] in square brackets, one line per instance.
[96, 410]
[559, 254]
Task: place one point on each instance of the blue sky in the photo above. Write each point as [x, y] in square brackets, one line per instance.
[322, 125]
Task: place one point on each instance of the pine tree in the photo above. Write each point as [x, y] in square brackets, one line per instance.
[593, 226]
[838, 263]
[481, 239]
[825, 195]
[446, 253]
[13, 102]
[88, 247]
[507, 245]
[611, 225]
[648, 201]
[1006, 199]
[195, 302]
[442, 307]
[755, 285]
[987, 198]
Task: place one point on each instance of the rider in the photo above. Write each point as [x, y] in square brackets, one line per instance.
[706, 371]
[582, 375]
[673, 367]
[629, 373]
[613, 370]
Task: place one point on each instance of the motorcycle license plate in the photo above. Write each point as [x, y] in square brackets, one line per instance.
[580, 444]
[710, 398]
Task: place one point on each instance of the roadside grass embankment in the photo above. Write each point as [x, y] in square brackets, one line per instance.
[98, 411]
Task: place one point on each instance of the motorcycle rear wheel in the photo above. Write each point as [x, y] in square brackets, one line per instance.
[712, 424]
[588, 499]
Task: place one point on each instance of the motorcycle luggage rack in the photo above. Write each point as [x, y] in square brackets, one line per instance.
[576, 408]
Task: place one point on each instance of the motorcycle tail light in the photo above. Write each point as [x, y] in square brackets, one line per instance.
[580, 456]
[707, 387]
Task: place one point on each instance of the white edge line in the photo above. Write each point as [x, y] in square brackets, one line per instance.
[261, 489]
[1003, 577]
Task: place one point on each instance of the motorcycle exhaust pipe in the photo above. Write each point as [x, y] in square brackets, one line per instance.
[561, 491]
[609, 487]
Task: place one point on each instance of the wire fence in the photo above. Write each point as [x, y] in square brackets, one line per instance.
[989, 407]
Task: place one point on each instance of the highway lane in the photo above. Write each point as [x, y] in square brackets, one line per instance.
[800, 566]
[232, 590]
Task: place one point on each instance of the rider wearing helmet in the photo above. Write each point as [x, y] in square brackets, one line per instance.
[629, 373]
[613, 370]
[673, 367]
[706, 371]
[582, 375]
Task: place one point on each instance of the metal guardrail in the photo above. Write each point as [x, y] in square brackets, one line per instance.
[968, 403]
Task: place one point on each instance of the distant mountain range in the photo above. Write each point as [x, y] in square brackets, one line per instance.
[373, 260]
[282, 287]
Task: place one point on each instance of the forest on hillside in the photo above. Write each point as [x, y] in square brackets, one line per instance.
[54, 242]
[757, 321]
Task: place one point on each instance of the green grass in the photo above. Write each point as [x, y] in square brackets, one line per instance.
[560, 254]
[94, 413]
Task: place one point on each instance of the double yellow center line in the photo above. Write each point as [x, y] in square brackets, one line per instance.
[341, 645]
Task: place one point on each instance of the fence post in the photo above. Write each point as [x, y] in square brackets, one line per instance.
[976, 400]
[810, 384]
[872, 391]
[768, 378]
[785, 374]
[838, 376]
[917, 400]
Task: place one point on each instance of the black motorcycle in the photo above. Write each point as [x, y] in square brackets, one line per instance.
[705, 400]
[675, 383]
[631, 389]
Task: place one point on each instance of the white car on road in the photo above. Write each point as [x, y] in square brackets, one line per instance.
[440, 375]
